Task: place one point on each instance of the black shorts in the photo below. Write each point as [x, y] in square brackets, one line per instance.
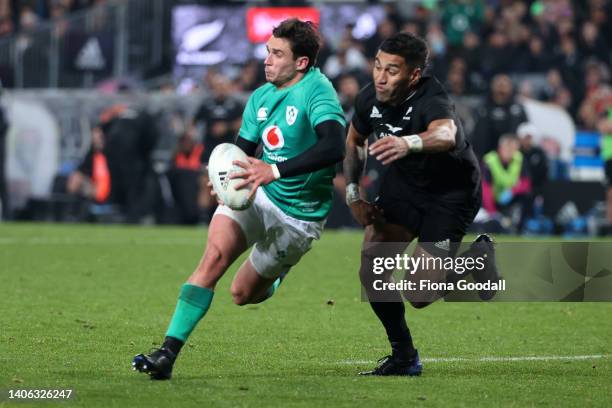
[441, 220]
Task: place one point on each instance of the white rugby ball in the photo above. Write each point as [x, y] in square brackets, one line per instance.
[220, 167]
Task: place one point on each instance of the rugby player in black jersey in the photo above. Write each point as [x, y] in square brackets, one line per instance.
[430, 188]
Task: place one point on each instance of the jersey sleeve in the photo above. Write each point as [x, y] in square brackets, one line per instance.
[360, 119]
[323, 105]
[438, 107]
[248, 129]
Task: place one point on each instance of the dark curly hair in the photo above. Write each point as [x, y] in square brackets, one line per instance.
[409, 46]
[302, 36]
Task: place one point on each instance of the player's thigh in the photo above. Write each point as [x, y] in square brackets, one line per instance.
[444, 226]
[280, 250]
[228, 237]
[440, 237]
[387, 232]
[402, 215]
[285, 239]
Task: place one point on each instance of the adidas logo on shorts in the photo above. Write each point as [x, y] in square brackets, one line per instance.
[444, 245]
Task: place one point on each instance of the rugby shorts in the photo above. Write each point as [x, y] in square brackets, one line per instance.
[278, 240]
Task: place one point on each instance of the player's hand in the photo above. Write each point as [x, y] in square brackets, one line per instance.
[256, 172]
[389, 148]
[366, 213]
[213, 193]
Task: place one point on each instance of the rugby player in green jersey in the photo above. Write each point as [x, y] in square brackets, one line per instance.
[297, 117]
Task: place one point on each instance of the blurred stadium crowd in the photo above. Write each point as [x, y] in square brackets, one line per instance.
[492, 55]
[19, 16]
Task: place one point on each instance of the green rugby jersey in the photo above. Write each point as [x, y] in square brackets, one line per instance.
[284, 120]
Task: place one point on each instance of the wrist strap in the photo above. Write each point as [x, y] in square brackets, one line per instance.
[275, 171]
[415, 143]
[352, 193]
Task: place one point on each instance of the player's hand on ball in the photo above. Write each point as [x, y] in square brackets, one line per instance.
[256, 172]
[366, 213]
[389, 148]
[214, 194]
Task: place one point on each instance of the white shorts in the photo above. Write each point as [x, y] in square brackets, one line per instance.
[278, 240]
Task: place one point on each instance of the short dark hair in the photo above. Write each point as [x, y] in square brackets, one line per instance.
[408, 46]
[302, 36]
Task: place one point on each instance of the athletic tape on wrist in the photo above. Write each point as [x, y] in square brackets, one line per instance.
[352, 193]
[275, 171]
[415, 143]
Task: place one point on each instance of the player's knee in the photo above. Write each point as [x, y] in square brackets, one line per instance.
[240, 297]
[366, 271]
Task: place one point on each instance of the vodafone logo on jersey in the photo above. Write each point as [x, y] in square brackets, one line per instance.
[273, 138]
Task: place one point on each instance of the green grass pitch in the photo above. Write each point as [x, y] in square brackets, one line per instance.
[78, 302]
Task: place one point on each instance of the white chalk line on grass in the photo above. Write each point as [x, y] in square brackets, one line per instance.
[494, 359]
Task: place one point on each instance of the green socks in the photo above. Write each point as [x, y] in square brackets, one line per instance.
[192, 305]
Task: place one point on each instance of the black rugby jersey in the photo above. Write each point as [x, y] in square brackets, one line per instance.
[442, 172]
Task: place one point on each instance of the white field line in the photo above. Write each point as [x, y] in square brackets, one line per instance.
[493, 359]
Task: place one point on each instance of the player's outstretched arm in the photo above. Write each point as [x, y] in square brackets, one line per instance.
[364, 212]
[439, 137]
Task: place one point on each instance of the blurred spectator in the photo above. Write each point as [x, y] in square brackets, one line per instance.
[92, 178]
[455, 82]
[413, 27]
[555, 91]
[534, 157]
[28, 20]
[6, 26]
[438, 58]
[348, 87]
[471, 51]
[251, 76]
[347, 59]
[122, 143]
[598, 96]
[558, 168]
[543, 24]
[460, 16]
[506, 185]
[185, 179]
[538, 58]
[501, 114]
[592, 44]
[569, 63]
[385, 29]
[496, 55]
[220, 115]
